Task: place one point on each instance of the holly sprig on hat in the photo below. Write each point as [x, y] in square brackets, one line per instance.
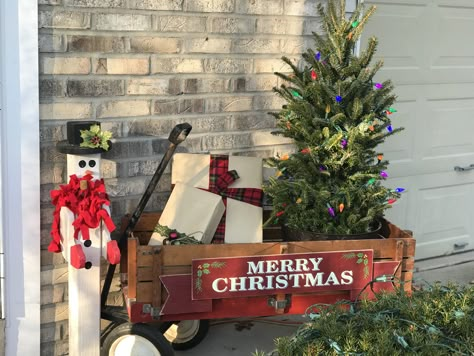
[96, 138]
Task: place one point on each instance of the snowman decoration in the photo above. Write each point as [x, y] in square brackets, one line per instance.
[81, 231]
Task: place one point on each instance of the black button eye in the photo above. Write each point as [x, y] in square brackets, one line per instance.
[82, 163]
[91, 163]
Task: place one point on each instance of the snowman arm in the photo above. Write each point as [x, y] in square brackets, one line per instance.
[110, 249]
[66, 229]
[71, 250]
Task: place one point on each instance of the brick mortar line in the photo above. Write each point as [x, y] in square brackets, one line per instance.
[164, 34]
[182, 12]
[180, 76]
[148, 97]
[185, 55]
[50, 123]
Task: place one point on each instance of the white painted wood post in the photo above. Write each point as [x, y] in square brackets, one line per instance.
[84, 283]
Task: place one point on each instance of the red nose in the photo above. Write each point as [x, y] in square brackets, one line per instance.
[88, 172]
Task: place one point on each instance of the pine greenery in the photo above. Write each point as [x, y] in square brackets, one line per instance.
[337, 116]
[434, 321]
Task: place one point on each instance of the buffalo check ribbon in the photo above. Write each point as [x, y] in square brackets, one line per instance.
[220, 178]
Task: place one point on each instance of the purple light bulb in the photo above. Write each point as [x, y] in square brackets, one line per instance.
[378, 85]
[384, 174]
[331, 212]
[343, 143]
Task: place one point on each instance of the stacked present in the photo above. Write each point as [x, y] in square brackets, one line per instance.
[216, 198]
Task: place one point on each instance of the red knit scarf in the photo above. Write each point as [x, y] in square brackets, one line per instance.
[86, 205]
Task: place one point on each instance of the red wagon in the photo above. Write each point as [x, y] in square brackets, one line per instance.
[158, 283]
[185, 286]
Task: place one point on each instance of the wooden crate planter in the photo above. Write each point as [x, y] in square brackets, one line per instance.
[145, 294]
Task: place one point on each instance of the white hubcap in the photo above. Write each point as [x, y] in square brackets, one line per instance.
[182, 332]
[133, 345]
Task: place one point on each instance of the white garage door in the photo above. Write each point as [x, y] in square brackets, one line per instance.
[428, 48]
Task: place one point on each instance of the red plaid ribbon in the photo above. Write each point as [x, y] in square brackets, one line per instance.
[219, 179]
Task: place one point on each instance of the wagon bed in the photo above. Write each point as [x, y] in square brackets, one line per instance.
[143, 265]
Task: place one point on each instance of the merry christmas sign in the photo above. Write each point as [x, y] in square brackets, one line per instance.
[216, 278]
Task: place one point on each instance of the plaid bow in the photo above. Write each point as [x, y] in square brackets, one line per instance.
[219, 180]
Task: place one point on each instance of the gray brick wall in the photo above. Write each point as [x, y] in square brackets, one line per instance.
[142, 66]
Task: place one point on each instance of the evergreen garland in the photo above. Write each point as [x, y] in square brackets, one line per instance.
[434, 321]
[337, 116]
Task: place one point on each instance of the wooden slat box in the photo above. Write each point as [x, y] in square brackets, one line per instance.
[143, 265]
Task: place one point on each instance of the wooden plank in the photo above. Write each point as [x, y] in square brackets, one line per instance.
[183, 255]
[396, 233]
[124, 251]
[132, 267]
[409, 247]
[147, 221]
[144, 292]
[145, 274]
[157, 264]
[166, 270]
[399, 257]
[143, 237]
[145, 259]
[383, 248]
[408, 263]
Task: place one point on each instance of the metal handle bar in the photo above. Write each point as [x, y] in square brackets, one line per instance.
[177, 135]
[463, 169]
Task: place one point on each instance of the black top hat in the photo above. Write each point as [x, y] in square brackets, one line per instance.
[74, 139]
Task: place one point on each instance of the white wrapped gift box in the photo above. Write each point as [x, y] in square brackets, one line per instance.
[243, 221]
[192, 211]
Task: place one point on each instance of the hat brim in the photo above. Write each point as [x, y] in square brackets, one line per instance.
[67, 148]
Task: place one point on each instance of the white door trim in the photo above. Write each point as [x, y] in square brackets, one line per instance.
[19, 168]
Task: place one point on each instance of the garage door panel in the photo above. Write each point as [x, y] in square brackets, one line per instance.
[444, 118]
[417, 42]
[397, 3]
[456, 232]
[399, 149]
[402, 209]
[401, 63]
[423, 208]
[456, 3]
[452, 58]
[438, 131]
[428, 54]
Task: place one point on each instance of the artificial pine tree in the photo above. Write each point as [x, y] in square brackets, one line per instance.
[336, 115]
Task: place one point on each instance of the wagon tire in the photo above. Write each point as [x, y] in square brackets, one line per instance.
[185, 334]
[128, 339]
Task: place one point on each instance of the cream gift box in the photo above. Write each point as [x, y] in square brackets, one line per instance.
[243, 197]
[191, 211]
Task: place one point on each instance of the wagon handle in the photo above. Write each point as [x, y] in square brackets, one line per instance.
[177, 135]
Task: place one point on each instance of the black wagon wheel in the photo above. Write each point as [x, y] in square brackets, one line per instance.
[128, 339]
[185, 334]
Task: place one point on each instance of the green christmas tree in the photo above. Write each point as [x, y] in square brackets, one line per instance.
[336, 115]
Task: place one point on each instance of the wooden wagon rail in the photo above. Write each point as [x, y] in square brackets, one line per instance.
[143, 265]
